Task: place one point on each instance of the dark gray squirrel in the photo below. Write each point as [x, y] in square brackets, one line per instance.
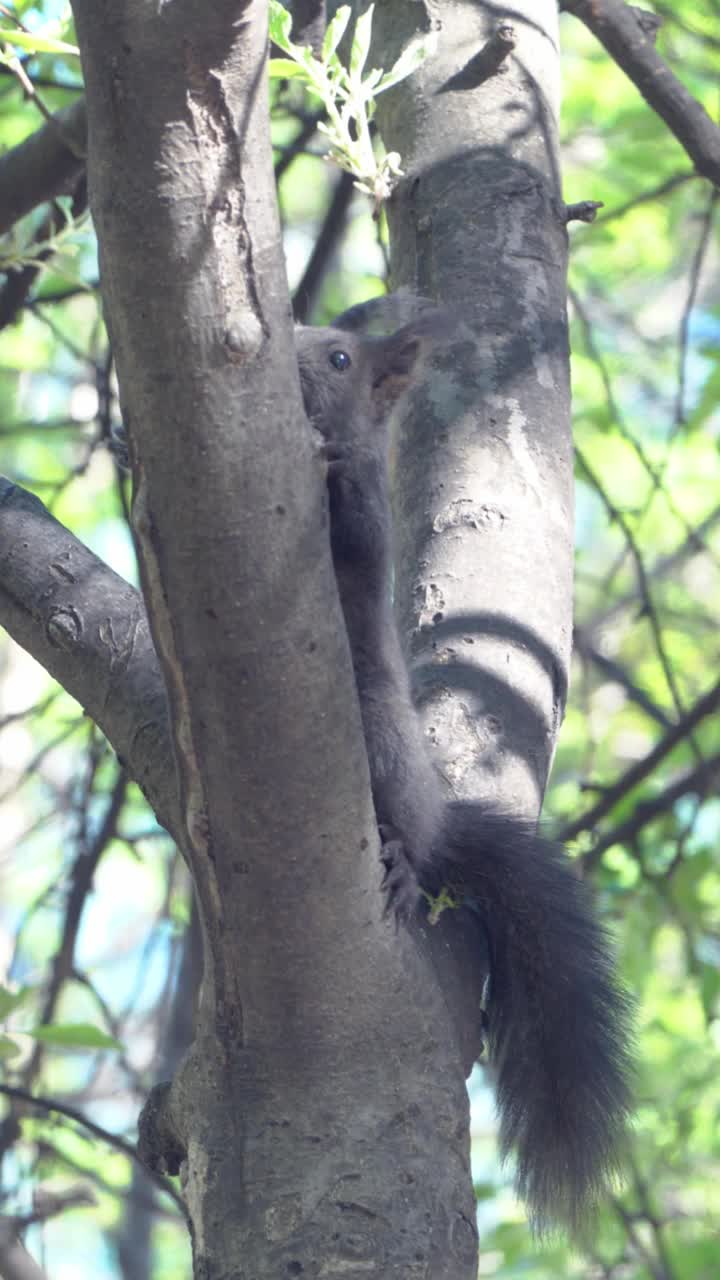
[558, 1023]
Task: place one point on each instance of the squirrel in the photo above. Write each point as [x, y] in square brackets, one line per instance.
[557, 1020]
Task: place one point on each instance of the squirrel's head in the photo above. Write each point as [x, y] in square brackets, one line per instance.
[349, 376]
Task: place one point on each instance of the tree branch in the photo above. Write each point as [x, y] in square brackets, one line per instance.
[79, 886]
[330, 232]
[15, 1261]
[89, 629]
[46, 164]
[617, 28]
[642, 769]
[615, 672]
[697, 781]
[112, 1139]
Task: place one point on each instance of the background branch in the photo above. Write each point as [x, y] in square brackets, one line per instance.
[617, 28]
[696, 782]
[89, 629]
[637, 772]
[47, 164]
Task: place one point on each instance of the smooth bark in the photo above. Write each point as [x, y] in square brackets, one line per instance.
[484, 475]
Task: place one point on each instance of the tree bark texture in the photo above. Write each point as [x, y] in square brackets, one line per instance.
[484, 471]
[89, 629]
[321, 1111]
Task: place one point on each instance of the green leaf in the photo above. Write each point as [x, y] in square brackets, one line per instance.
[412, 57]
[709, 989]
[444, 901]
[335, 31]
[280, 21]
[485, 1191]
[309, 61]
[36, 42]
[8, 1047]
[371, 81]
[334, 70]
[285, 69]
[80, 1034]
[11, 1000]
[280, 25]
[361, 43]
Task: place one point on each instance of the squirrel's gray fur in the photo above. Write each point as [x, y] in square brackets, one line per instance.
[558, 1022]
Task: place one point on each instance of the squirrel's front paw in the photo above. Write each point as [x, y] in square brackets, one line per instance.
[118, 445]
[336, 456]
[399, 881]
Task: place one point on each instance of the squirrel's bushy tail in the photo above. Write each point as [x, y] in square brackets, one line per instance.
[559, 1023]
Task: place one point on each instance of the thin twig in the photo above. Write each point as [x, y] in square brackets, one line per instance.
[112, 1139]
[695, 272]
[642, 769]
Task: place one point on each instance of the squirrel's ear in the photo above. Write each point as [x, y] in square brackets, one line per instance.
[394, 362]
[384, 315]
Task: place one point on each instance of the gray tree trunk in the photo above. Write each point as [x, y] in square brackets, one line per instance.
[321, 1114]
[484, 474]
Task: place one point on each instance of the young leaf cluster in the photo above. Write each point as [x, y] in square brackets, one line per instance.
[346, 92]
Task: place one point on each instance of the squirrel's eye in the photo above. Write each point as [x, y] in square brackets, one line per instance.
[340, 360]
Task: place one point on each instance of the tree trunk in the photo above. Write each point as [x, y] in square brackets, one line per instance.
[320, 1118]
[484, 474]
